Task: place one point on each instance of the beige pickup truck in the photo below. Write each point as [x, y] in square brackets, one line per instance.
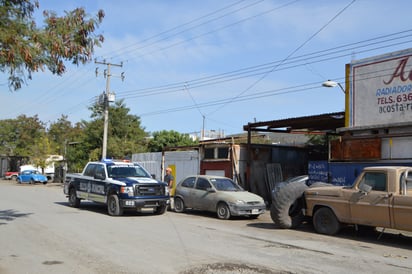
[381, 196]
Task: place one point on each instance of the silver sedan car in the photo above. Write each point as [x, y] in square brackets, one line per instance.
[217, 194]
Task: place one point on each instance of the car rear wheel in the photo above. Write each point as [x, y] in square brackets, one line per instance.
[32, 181]
[325, 221]
[179, 205]
[223, 211]
[113, 206]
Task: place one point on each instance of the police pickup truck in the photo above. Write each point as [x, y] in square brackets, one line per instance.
[119, 185]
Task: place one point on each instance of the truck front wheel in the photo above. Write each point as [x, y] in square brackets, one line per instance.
[160, 209]
[113, 206]
[325, 221]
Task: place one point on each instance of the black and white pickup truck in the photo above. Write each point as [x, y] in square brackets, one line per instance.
[119, 185]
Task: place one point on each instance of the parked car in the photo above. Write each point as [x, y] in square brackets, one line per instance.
[31, 177]
[217, 194]
[11, 175]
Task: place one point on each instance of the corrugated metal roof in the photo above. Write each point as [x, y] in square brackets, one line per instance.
[322, 122]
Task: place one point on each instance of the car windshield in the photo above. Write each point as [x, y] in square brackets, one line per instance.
[117, 171]
[225, 184]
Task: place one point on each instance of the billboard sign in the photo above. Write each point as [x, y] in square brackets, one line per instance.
[380, 90]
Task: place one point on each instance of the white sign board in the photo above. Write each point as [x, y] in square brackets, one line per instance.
[381, 90]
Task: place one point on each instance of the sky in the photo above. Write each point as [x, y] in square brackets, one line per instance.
[215, 65]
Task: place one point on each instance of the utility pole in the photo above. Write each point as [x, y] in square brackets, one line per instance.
[106, 100]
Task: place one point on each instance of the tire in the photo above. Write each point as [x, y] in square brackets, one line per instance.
[73, 200]
[223, 211]
[113, 205]
[160, 209]
[287, 206]
[32, 181]
[14, 177]
[325, 221]
[179, 205]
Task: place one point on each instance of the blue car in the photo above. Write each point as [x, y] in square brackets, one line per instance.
[31, 177]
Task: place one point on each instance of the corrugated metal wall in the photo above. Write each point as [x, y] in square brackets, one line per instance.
[186, 163]
[152, 161]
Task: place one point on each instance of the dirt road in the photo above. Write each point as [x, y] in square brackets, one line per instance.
[40, 233]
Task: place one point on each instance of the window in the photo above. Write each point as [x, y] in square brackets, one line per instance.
[202, 184]
[216, 153]
[377, 181]
[224, 184]
[100, 170]
[209, 153]
[222, 152]
[189, 182]
[90, 170]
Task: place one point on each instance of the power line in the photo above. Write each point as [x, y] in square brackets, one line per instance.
[134, 48]
[287, 57]
[219, 29]
[293, 62]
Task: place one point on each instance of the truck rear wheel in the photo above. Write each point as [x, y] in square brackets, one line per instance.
[325, 221]
[73, 200]
[113, 205]
[286, 210]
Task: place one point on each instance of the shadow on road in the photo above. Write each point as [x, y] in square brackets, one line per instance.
[102, 209]
[10, 215]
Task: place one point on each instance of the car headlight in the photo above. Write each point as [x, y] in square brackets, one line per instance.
[240, 202]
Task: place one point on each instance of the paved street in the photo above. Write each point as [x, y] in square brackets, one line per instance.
[40, 233]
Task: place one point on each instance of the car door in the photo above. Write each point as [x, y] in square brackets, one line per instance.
[184, 190]
[25, 176]
[372, 208]
[202, 197]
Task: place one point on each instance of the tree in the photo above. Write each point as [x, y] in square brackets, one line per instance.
[8, 137]
[164, 138]
[125, 135]
[62, 132]
[27, 132]
[26, 48]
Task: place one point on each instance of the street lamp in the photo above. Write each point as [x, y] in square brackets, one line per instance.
[332, 84]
